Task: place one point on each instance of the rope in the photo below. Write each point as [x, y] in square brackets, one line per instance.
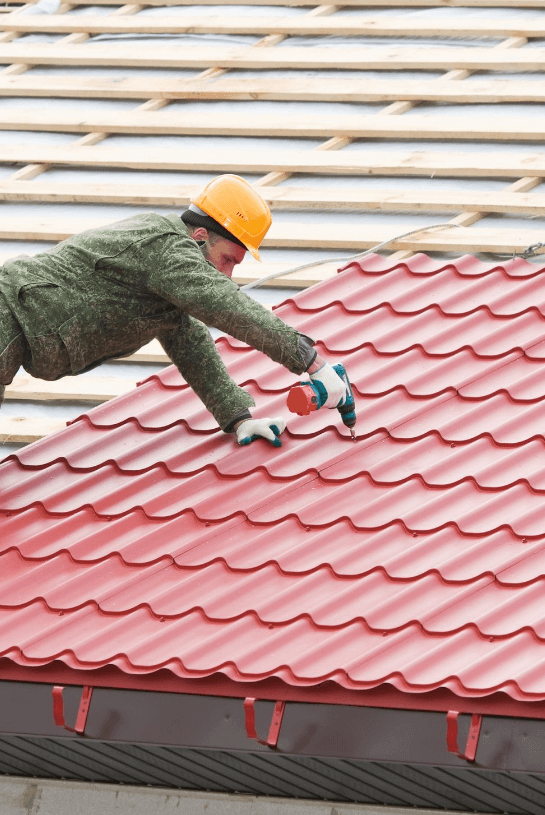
[313, 263]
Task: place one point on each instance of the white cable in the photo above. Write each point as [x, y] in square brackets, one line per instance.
[343, 259]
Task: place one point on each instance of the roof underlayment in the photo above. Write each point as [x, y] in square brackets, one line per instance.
[139, 548]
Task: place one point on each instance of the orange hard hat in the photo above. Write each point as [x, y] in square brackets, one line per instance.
[236, 205]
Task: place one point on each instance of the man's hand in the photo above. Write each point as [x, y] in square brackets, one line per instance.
[331, 382]
[251, 429]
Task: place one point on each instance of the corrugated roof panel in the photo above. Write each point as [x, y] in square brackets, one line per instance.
[375, 373]
[412, 285]
[142, 537]
[437, 333]
[296, 549]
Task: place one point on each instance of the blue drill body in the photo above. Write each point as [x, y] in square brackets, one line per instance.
[308, 396]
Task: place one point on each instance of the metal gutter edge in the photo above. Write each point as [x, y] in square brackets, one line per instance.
[328, 692]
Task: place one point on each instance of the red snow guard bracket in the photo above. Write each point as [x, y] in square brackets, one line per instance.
[472, 736]
[83, 710]
[276, 723]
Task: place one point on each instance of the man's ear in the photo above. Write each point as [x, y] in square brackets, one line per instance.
[200, 234]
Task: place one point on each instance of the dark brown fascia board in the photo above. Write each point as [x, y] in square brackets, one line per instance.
[308, 729]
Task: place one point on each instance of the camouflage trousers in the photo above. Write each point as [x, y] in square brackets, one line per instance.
[12, 346]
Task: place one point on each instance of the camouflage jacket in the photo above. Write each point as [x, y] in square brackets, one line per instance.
[106, 292]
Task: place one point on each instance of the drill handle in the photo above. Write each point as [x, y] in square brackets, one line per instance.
[347, 409]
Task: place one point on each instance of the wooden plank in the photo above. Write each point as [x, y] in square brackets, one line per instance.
[282, 198]
[152, 352]
[303, 25]
[494, 164]
[70, 388]
[357, 3]
[300, 89]
[23, 430]
[291, 57]
[164, 122]
[248, 272]
[312, 236]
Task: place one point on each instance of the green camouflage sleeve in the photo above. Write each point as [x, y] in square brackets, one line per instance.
[177, 271]
[192, 349]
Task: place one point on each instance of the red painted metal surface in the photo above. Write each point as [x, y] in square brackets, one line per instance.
[274, 729]
[83, 709]
[412, 564]
[472, 737]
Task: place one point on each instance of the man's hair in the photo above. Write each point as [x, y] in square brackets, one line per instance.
[193, 218]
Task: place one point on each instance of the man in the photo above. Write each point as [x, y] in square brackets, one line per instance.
[106, 292]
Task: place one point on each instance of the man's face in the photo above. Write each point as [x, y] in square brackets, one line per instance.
[220, 252]
[225, 255]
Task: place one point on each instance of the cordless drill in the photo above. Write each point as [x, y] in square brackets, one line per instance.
[307, 396]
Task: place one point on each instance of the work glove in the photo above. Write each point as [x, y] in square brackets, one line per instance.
[251, 429]
[334, 387]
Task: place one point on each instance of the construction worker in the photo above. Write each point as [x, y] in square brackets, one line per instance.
[106, 292]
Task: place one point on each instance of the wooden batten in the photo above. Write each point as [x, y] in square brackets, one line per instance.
[281, 198]
[496, 164]
[525, 4]
[248, 272]
[25, 388]
[23, 430]
[519, 4]
[297, 90]
[312, 236]
[327, 57]
[303, 25]
[196, 124]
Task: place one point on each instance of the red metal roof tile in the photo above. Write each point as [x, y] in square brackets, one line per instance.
[36, 534]
[58, 580]
[429, 329]
[142, 538]
[460, 420]
[158, 493]
[410, 287]
[374, 373]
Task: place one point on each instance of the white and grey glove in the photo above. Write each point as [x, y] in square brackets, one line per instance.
[251, 429]
[334, 386]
